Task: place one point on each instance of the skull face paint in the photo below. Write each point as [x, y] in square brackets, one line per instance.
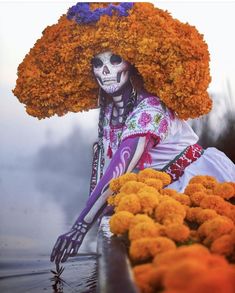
[111, 71]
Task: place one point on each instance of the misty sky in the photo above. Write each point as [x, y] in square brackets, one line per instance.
[44, 165]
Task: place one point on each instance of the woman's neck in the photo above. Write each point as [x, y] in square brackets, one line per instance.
[120, 101]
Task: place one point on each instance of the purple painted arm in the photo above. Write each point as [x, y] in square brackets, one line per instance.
[124, 160]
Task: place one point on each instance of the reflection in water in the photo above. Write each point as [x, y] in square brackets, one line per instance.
[40, 197]
[32, 222]
[79, 276]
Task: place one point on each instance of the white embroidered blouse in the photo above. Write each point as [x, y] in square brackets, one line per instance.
[150, 118]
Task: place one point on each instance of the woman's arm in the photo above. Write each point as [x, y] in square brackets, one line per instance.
[124, 160]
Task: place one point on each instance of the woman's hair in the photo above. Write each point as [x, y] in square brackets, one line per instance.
[171, 57]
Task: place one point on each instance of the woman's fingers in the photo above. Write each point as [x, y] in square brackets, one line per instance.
[69, 251]
[55, 249]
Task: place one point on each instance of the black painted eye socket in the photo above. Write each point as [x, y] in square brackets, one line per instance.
[97, 63]
[115, 59]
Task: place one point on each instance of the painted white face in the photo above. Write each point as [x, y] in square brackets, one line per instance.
[111, 71]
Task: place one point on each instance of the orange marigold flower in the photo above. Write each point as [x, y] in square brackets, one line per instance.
[148, 277]
[181, 197]
[110, 200]
[127, 177]
[178, 275]
[140, 269]
[168, 191]
[140, 218]
[148, 173]
[219, 280]
[194, 187]
[148, 189]
[225, 190]
[156, 183]
[162, 198]
[224, 245]
[205, 215]
[142, 277]
[169, 258]
[192, 213]
[115, 199]
[216, 203]
[120, 222]
[200, 215]
[231, 214]
[148, 247]
[214, 228]
[144, 229]
[129, 203]
[118, 197]
[177, 232]
[233, 185]
[209, 182]
[170, 211]
[114, 185]
[132, 187]
[148, 201]
[216, 261]
[197, 197]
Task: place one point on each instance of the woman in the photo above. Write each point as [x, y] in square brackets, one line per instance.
[130, 47]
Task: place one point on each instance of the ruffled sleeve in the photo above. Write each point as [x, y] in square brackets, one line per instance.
[151, 118]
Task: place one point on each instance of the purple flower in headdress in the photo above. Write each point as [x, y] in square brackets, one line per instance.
[82, 14]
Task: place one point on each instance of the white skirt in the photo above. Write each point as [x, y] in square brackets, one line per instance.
[213, 163]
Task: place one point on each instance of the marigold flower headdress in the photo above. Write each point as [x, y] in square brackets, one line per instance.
[56, 77]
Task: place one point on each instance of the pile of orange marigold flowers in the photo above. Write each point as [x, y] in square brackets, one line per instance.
[179, 242]
[172, 57]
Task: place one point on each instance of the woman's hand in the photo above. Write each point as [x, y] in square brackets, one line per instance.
[68, 244]
[124, 160]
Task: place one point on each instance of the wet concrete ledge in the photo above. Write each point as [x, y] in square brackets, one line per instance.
[114, 270]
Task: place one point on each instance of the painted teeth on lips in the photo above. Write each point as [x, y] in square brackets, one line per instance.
[109, 79]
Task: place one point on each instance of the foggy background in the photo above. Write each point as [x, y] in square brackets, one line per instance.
[45, 165]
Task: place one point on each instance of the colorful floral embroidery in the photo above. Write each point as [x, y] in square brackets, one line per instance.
[132, 125]
[144, 119]
[157, 118]
[153, 101]
[163, 126]
[148, 118]
[176, 168]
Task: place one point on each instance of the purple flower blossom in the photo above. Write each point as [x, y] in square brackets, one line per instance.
[144, 119]
[82, 14]
[163, 126]
[152, 101]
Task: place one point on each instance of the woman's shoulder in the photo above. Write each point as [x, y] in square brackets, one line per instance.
[149, 102]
